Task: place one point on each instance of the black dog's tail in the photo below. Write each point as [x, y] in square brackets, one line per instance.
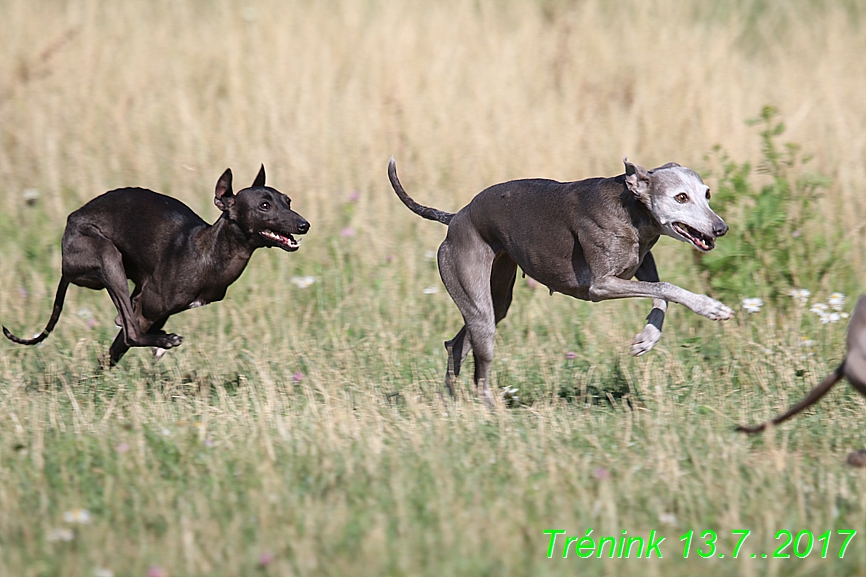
[814, 395]
[55, 314]
[425, 211]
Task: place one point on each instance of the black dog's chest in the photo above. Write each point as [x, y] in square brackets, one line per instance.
[206, 297]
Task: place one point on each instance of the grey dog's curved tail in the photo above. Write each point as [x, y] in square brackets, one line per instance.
[55, 314]
[424, 211]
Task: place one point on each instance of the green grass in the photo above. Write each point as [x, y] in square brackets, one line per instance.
[203, 462]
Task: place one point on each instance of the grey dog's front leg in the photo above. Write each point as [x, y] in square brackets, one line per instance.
[645, 340]
[612, 287]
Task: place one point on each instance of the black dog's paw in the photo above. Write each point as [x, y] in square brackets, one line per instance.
[170, 340]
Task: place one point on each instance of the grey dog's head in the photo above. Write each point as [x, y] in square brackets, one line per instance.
[680, 202]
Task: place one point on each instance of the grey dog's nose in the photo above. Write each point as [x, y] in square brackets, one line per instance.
[720, 228]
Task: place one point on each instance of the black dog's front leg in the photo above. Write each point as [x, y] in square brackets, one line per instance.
[119, 347]
[156, 329]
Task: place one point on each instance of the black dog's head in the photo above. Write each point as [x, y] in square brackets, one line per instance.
[263, 213]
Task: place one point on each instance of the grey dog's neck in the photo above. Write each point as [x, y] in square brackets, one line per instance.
[648, 228]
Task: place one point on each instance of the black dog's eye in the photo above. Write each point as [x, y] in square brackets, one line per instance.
[682, 198]
[708, 194]
[265, 205]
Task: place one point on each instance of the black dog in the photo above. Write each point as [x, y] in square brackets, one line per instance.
[175, 259]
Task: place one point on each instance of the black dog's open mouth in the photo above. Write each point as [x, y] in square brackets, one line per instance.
[701, 241]
[285, 242]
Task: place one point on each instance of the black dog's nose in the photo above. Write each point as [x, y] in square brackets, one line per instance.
[720, 228]
[304, 226]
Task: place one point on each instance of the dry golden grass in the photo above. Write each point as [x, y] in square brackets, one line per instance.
[464, 94]
[216, 455]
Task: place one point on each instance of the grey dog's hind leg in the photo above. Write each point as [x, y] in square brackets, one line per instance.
[502, 277]
[461, 345]
[476, 307]
[465, 263]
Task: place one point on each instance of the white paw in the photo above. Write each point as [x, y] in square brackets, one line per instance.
[157, 353]
[645, 340]
[714, 310]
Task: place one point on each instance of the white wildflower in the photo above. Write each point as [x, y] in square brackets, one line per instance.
[753, 305]
[103, 572]
[830, 318]
[302, 281]
[30, 195]
[431, 290]
[81, 516]
[510, 397]
[837, 301]
[429, 255]
[819, 308]
[800, 295]
[667, 519]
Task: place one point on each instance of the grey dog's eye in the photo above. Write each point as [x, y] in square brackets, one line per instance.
[708, 194]
[265, 205]
[682, 198]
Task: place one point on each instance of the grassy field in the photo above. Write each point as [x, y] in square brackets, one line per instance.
[302, 431]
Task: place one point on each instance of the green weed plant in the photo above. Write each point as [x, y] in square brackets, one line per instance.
[776, 242]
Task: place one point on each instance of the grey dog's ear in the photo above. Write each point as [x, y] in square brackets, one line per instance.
[260, 177]
[668, 165]
[223, 197]
[637, 179]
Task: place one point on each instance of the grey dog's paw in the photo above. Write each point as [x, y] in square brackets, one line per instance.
[714, 310]
[645, 340]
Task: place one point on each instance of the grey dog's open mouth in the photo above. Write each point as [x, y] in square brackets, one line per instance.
[701, 241]
[286, 242]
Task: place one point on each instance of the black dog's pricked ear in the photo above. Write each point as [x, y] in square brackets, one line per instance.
[260, 177]
[637, 179]
[224, 198]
